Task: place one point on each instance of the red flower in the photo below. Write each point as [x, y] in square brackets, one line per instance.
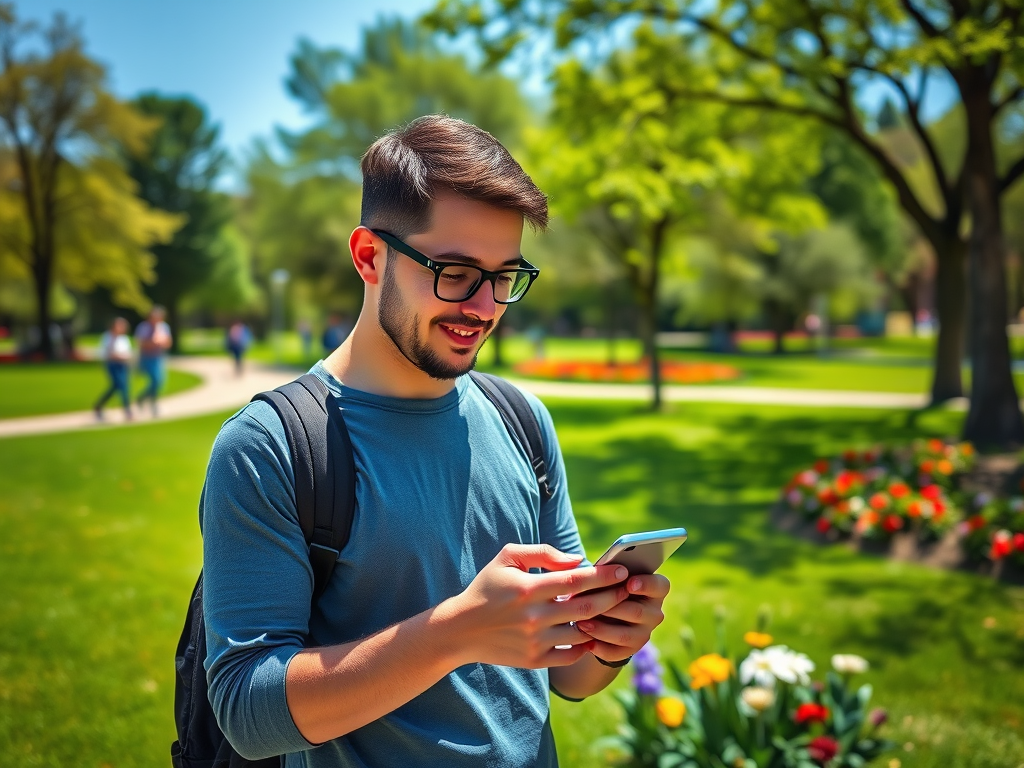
[823, 524]
[975, 523]
[1018, 542]
[809, 713]
[892, 523]
[827, 496]
[914, 509]
[931, 492]
[927, 466]
[899, 490]
[935, 445]
[821, 466]
[878, 501]
[822, 749]
[938, 509]
[849, 456]
[843, 481]
[1002, 545]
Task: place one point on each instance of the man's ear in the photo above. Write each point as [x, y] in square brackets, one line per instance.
[368, 254]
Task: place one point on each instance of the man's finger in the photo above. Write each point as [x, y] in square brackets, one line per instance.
[624, 636]
[527, 556]
[580, 580]
[589, 604]
[642, 611]
[563, 657]
[650, 585]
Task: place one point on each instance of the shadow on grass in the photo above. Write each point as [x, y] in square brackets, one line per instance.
[718, 488]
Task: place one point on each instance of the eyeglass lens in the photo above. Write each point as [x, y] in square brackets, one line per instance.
[457, 283]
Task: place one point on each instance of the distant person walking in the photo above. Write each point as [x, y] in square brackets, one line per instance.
[116, 352]
[238, 341]
[306, 335]
[337, 330]
[154, 338]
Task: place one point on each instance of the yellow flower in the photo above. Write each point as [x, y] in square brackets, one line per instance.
[708, 669]
[671, 712]
[757, 639]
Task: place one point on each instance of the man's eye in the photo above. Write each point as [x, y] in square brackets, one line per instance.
[455, 275]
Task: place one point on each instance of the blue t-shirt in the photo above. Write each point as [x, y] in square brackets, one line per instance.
[441, 487]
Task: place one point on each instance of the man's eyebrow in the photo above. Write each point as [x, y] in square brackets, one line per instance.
[465, 258]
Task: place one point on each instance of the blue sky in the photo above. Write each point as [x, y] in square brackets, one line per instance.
[232, 55]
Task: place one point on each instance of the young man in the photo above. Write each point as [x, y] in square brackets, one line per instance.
[438, 636]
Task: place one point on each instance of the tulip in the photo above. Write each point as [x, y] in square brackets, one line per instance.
[878, 717]
[671, 712]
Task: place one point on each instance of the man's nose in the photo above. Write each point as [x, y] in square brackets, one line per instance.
[481, 304]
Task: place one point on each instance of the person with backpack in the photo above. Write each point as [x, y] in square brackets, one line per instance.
[427, 627]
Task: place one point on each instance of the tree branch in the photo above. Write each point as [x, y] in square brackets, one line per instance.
[922, 21]
[1012, 174]
[913, 107]
[1008, 99]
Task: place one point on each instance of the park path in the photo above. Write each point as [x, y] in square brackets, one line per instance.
[222, 390]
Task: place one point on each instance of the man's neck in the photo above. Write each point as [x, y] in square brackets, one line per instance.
[369, 361]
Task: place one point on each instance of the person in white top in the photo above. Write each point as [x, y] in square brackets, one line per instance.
[116, 352]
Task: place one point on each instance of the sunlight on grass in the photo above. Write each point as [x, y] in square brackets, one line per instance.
[101, 549]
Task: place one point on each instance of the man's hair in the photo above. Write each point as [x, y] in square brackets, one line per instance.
[405, 169]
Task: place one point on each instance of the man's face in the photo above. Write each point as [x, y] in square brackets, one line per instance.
[442, 338]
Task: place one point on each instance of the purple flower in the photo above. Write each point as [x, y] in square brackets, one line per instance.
[646, 659]
[647, 684]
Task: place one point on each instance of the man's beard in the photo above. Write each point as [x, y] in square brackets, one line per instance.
[401, 329]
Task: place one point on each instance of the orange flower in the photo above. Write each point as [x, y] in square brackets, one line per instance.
[708, 669]
[671, 712]
[927, 466]
[914, 509]
[899, 490]
[757, 639]
[878, 501]
[867, 520]
[935, 445]
[945, 467]
[966, 449]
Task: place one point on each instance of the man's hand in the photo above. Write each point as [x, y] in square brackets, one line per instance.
[511, 617]
[633, 619]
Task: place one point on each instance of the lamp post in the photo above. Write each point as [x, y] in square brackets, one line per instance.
[278, 281]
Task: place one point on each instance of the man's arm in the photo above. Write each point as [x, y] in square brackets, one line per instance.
[506, 616]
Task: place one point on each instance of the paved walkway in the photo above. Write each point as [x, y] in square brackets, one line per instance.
[221, 390]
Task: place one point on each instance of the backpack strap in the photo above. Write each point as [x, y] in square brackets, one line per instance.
[324, 469]
[520, 421]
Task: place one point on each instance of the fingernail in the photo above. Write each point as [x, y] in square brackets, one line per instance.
[634, 585]
[621, 573]
[586, 626]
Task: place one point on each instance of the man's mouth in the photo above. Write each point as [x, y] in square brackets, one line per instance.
[461, 335]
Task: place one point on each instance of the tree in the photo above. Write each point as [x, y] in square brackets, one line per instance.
[303, 206]
[639, 166]
[68, 213]
[812, 58]
[176, 172]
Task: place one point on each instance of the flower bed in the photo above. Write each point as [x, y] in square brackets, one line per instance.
[671, 372]
[761, 711]
[918, 496]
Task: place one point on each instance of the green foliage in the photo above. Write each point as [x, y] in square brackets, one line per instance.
[69, 213]
[176, 172]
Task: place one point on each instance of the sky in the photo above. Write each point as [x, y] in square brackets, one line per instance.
[231, 55]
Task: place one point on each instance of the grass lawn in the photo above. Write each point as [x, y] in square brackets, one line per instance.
[30, 389]
[100, 550]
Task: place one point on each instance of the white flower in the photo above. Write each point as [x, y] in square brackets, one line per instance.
[758, 699]
[776, 662]
[856, 505]
[849, 664]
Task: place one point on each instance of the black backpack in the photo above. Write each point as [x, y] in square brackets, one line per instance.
[325, 498]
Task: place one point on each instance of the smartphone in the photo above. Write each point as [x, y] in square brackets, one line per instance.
[643, 552]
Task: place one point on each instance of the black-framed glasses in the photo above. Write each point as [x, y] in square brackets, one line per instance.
[454, 281]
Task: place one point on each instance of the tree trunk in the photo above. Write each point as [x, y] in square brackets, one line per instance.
[658, 232]
[42, 277]
[994, 419]
[951, 309]
[173, 320]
